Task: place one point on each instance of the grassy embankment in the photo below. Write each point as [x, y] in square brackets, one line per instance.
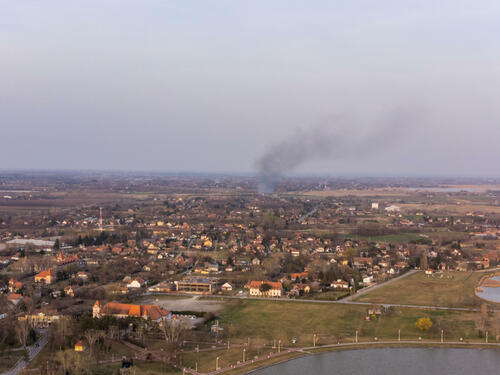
[264, 321]
[453, 289]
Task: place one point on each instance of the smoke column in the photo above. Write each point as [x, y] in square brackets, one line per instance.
[339, 139]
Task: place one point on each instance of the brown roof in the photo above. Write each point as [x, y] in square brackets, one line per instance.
[150, 311]
[45, 273]
[273, 284]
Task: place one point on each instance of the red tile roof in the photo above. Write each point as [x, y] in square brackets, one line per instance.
[273, 284]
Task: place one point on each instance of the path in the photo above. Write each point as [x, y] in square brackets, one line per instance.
[307, 351]
[33, 351]
[376, 286]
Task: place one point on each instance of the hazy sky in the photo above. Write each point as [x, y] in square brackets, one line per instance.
[212, 85]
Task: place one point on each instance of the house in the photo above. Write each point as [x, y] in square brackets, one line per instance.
[265, 289]
[362, 262]
[340, 284]
[367, 280]
[45, 276]
[196, 285]
[14, 285]
[163, 287]
[41, 318]
[393, 208]
[14, 298]
[79, 346]
[124, 310]
[82, 275]
[299, 289]
[66, 260]
[69, 291]
[226, 287]
[136, 283]
[300, 276]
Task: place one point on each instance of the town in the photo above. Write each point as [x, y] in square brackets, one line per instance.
[108, 272]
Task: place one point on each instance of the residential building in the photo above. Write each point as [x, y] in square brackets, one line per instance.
[275, 289]
[124, 310]
[45, 276]
[196, 285]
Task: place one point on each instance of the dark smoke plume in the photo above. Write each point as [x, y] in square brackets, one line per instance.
[339, 139]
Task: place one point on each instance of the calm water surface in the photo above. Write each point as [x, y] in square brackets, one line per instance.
[407, 361]
[492, 294]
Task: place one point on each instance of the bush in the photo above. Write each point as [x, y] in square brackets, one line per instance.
[424, 324]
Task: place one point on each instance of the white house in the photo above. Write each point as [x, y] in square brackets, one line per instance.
[367, 280]
[340, 284]
[136, 283]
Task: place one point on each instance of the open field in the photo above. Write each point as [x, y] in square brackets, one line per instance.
[450, 208]
[401, 191]
[185, 304]
[453, 289]
[391, 238]
[265, 321]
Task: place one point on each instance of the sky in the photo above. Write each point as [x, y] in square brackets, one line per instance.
[217, 85]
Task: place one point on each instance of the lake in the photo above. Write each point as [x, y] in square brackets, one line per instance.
[490, 293]
[395, 361]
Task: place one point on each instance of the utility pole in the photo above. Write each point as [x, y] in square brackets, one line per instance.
[399, 334]
[356, 337]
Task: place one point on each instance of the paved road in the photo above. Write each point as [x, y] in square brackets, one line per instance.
[33, 351]
[376, 286]
[306, 351]
[348, 301]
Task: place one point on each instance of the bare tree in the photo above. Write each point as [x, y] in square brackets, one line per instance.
[173, 331]
[92, 336]
[22, 331]
[63, 357]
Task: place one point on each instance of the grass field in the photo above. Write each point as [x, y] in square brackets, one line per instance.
[454, 289]
[265, 321]
[392, 238]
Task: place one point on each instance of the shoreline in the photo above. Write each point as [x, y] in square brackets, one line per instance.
[491, 284]
[303, 352]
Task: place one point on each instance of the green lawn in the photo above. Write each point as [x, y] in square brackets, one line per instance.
[264, 321]
[332, 295]
[453, 289]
